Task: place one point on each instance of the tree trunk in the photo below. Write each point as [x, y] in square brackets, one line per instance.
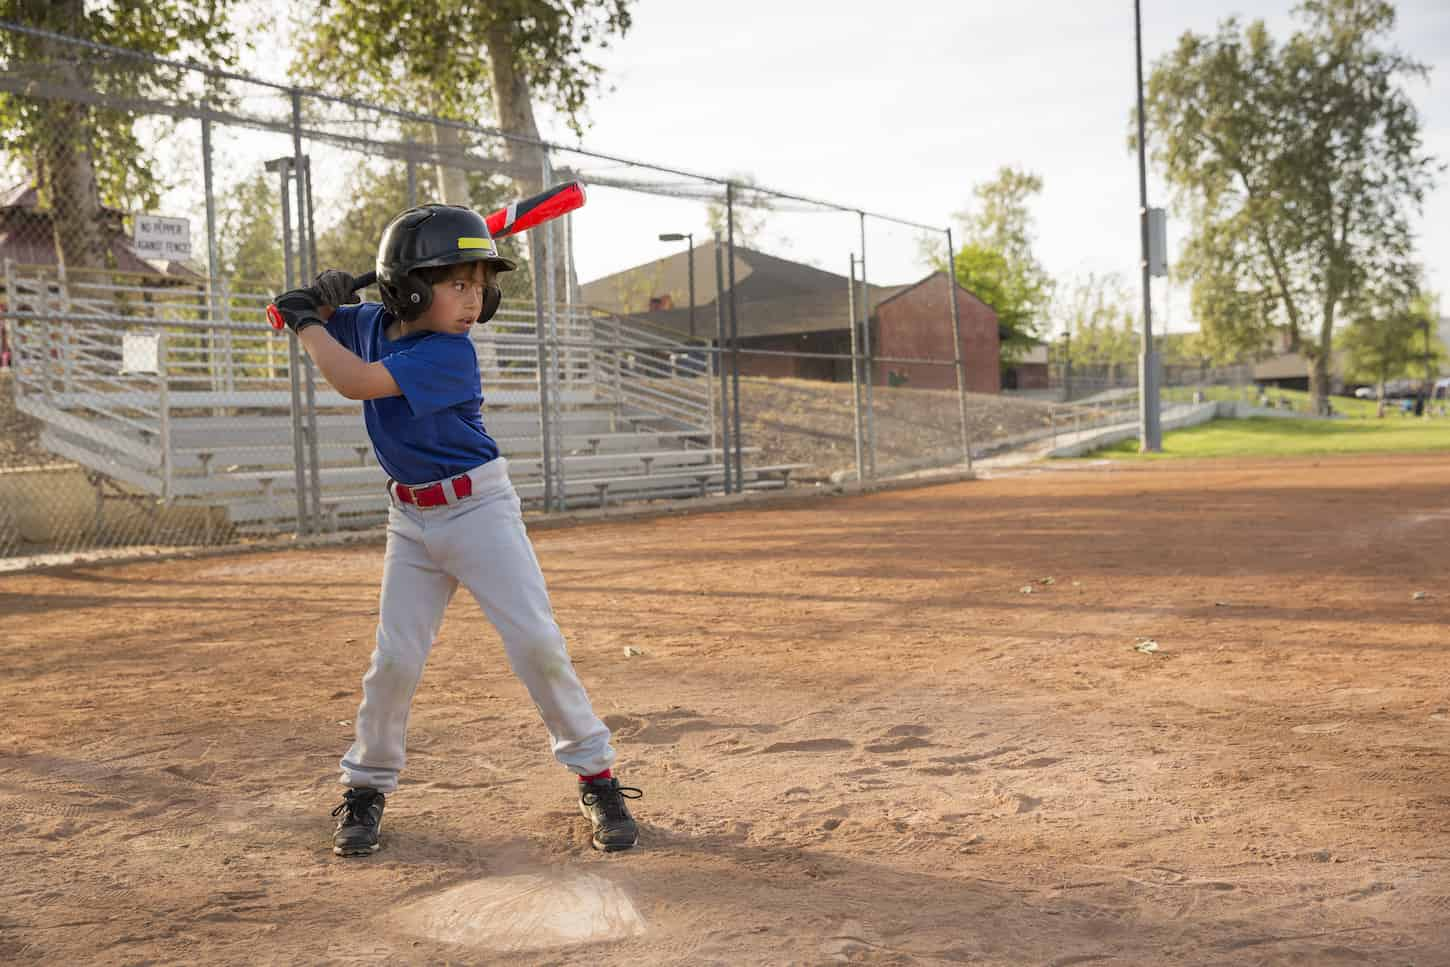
[453, 182]
[1319, 383]
[513, 103]
[66, 173]
[1321, 361]
[67, 178]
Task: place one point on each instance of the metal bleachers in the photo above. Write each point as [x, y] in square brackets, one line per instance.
[162, 391]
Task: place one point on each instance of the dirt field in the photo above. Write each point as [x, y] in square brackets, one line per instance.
[859, 739]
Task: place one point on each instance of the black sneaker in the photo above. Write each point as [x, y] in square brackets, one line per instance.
[602, 803]
[360, 823]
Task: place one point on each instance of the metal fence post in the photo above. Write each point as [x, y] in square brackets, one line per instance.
[734, 335]
[710, 399]
[855, 372]
[951, 273]
[556, 360]
[163, 416]
[226, 317]
[313, 458]
[870, 369]
[212, 269]
[294, 362]
[718, 358]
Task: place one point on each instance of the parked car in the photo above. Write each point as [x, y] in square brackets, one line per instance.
[1399, 389]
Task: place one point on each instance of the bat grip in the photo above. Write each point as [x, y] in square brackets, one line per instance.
[274, 315]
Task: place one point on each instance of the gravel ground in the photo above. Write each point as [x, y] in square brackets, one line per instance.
[810, 422]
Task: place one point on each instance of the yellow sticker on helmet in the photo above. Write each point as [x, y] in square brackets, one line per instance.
[484, 243]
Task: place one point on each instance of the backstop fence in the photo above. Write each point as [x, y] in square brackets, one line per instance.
[156, 207]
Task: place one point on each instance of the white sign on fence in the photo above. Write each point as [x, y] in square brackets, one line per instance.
[158, 237]
[139, 353]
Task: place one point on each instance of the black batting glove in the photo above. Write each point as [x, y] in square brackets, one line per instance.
[298, 309]
[336, 288]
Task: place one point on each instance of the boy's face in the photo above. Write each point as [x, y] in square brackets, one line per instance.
[458, 299]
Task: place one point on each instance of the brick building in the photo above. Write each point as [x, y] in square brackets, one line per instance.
[784, 306]
[916, 323]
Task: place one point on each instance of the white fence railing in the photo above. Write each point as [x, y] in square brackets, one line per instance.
[185, 393]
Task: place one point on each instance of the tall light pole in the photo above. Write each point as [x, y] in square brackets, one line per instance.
[1149, 431]
[680, 237]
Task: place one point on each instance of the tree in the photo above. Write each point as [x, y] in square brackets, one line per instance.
[985, 272]
[416, 52]
[996, 262]
[1096, 316]
[1001, 219]
[1385, 343]
[87, 158]
[378, 192]
[1299, 164]
[249, 244]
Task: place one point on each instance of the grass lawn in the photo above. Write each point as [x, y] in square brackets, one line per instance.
[1265, 437]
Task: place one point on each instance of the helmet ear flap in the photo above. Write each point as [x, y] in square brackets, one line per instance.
[407, 297]
[492, 296]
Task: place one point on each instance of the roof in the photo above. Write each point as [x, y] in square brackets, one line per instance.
[902, 290]
[27, 238]
[773, 296]
[825, 310]
[758, 277]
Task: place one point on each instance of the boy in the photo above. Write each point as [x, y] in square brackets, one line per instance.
[454, 515]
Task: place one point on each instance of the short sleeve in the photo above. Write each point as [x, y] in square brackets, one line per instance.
[439, 372]
[343, 326]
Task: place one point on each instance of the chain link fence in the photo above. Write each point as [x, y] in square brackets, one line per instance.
[153, 208]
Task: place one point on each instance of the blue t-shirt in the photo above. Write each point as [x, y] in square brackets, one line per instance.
[434, 430]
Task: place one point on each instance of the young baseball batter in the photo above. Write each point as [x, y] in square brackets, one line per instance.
[454, 516]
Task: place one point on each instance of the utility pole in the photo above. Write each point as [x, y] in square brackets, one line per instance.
[1149, 432]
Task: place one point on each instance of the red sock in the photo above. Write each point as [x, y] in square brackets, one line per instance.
[606, 774]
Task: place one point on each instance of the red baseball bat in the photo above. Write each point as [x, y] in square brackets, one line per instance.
[518, 216]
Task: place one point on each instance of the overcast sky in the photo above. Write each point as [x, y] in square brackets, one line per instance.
[902, 107]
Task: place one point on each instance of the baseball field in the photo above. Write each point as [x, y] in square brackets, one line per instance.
[1097, 713]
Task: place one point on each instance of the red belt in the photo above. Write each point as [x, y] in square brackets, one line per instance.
[434, 494]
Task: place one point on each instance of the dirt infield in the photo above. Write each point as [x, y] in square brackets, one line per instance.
[859, 739]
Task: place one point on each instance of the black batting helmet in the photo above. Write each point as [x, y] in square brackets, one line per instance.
[427, 236]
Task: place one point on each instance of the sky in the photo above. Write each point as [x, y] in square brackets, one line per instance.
[903, 108]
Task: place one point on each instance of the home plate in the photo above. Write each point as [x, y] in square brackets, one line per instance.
[526, 912]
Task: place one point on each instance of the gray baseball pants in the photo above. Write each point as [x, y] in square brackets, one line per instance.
[480, 542]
